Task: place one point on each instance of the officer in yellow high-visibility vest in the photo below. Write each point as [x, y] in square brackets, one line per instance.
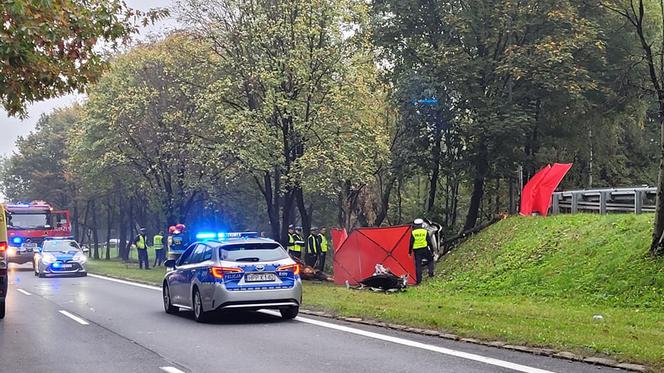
[141, 244]
[420, 245]
[323, 248]
[159, 246]
[294, 249]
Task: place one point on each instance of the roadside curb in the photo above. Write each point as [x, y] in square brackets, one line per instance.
[499, 344]
[549, 352]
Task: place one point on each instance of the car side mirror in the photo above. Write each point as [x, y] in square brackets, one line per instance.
[170, 263]
[85, 250]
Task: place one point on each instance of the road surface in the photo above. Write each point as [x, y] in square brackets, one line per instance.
[95, 324]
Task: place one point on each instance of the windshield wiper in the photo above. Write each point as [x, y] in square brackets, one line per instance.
[247, 259]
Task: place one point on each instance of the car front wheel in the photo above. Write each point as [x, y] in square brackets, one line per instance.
[289, 313]
[2, 309]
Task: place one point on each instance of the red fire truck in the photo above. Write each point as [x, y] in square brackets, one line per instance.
[28, 224]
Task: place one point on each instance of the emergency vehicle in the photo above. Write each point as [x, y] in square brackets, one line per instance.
[3, 261]
[28, 224]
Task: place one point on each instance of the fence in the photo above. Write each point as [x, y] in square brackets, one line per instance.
[603, 201]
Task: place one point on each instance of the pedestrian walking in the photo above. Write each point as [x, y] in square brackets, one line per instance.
[420, 245]
[142, 249]
[323, 248]
[313, 248]
[159, 245]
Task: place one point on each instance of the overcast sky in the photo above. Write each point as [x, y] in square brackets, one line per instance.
[11, 128]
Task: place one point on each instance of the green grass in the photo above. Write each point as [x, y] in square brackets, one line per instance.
[534, 281]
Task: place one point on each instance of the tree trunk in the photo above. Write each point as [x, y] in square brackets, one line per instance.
[385, 202]
[95, 230]
[122, 243]
[478, 186]
[109, 224]
[656, 248]
[435, 169]
[304, 214]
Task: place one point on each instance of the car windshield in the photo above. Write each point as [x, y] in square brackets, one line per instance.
[28, 221]
[256, 252]
[60, 246]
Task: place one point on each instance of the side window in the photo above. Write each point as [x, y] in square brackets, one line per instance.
[197, 255]
[186, 256]
[207, 253]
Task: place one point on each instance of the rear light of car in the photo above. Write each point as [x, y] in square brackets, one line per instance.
[3, 246]
[295, 268]
[218, 272]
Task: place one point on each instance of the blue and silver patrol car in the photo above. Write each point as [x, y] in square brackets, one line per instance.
[223, 271]
[60, 256]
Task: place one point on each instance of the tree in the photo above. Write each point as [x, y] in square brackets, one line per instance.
[646, 20]
[487, 59]
[141, 124]
[284, 67]
[48, 47]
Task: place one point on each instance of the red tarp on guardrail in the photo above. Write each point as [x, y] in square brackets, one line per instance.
[536, 195]
[358, 255]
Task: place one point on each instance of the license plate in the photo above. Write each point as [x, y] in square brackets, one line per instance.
[259, 277]
[29, 246]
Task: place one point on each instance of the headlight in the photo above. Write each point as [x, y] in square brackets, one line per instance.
[80, 257]
[48, 258]
[11, 251]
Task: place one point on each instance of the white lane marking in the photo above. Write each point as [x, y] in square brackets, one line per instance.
[23, 291]
[382, 337]
[171, 370]
[423, 346]
[125, 282]
[74, 317]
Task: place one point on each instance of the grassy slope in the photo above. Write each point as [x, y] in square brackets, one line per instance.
[527, 281]
[539, 282]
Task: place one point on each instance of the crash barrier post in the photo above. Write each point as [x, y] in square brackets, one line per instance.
[637, 200]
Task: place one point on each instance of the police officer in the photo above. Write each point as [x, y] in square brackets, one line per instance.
[159, 246]
[420, 244]
[323, 248]
[294, 249]
[142, 249]
[313, 248]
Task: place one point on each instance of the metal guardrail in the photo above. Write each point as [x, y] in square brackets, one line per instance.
[603, 201]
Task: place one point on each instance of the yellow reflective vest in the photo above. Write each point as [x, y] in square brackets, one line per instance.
[420, 238]
[291, 242]
[323, 243]
[140, 243]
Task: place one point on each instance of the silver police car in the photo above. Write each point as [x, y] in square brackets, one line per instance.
[224, 271]
[60, 257]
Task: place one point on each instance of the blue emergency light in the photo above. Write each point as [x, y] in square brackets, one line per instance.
[225, 235]
[17, 240]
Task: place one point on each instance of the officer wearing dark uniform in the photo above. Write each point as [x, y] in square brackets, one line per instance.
[420, 245]
[323, 248]
[313, 248]
[141, 244]
[294, 250]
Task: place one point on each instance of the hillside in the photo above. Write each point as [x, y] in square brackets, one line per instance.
[589, 258]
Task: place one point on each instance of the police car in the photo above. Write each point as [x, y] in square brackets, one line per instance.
[225, 271]
[60, 256]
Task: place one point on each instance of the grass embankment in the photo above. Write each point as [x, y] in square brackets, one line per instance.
[528, 281]
[537, 281]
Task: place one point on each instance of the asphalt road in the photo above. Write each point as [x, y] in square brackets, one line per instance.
[98, 325]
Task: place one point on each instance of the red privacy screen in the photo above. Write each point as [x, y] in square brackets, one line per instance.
[355, 259]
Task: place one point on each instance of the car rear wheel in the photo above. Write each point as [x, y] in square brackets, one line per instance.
[289, 313]
[168, 306]
[2, 309]
[199, 314]
[42, 275]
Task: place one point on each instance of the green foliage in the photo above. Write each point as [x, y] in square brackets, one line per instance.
[37, 171]
[48, 47]
[141, 123]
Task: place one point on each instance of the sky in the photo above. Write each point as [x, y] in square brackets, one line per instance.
[11, 127]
